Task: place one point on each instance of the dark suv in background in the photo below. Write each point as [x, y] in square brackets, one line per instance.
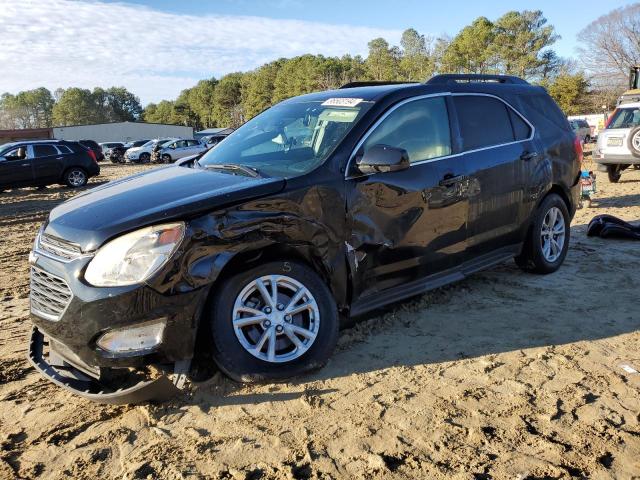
[325, 206]
[36, 163]
[95, 148]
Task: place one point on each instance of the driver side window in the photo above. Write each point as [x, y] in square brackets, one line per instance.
[421, 127]
[17, 153]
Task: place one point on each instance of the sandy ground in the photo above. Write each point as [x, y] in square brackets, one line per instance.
[505, 375]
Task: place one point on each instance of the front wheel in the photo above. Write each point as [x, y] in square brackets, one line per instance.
[166, 158]
[145, 157]
[75, 177]
[272, 322]
[548, 239]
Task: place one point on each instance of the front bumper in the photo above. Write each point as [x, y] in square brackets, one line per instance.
[64, 372]
[616, 160]
[92, 311]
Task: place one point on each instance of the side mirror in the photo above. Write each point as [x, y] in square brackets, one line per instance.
[3, 159]
[382, 159]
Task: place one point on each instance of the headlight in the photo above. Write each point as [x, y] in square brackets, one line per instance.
[134, 257]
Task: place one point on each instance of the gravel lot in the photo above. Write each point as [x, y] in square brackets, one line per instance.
[504, 375]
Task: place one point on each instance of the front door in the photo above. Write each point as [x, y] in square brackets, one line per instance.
[409, 224]
[15, 168]
[498, 147]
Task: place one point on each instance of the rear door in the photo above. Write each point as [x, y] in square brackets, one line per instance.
[498, 145]
[48, 163]
[408, 224]
[15, 168]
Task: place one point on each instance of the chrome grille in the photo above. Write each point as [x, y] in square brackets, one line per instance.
[58, 247]
[50, 295]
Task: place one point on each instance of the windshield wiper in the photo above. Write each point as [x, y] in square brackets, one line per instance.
[250, 171]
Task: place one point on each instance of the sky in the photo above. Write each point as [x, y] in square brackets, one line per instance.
[158, 48]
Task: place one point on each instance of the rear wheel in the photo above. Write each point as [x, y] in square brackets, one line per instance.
[548, 240]
[75, 177]
[272, 322]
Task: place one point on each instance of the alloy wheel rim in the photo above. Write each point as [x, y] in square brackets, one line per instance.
[552, 234]
[636, 141]
[275, 318]
[76, 178]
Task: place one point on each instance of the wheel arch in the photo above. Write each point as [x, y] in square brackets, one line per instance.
[278, 251]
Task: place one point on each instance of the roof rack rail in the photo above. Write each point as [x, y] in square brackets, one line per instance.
[475, 77]
[372, 84]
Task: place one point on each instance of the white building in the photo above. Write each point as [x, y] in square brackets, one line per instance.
[121, 132]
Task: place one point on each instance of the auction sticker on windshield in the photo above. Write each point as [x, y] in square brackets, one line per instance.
[341, 102]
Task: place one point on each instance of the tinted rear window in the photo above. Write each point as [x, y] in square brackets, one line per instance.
[44, 150]
[484, 121]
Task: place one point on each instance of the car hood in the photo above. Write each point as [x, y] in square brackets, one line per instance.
[152, 197]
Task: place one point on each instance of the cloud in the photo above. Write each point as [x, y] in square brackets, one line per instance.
[63, 43]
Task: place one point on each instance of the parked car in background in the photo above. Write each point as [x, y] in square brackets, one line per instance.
[211, 141]
[142, 154]
[37, 163]
[107, 146]
[582, 130]
[172, 151]
[155, 150]
[95, 147]
[618, 145]
[255, 253]
[116, 154]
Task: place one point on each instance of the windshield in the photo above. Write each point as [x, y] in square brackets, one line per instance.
[289, 139]
[625, 118]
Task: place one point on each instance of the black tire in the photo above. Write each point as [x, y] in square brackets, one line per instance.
[75, 177]
[166, 158]
[235, 360]
[637, 166]
[532, 258]
[145, 157]
[614, 173]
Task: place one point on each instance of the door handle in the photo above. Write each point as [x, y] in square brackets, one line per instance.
[59, 158]
[526, 155]
[449, 180]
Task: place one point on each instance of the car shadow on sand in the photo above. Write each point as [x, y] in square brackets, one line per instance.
[616, 201]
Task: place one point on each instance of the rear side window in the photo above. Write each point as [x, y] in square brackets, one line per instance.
[64, 149]
[44, 150]
[484, 121]
[521, 130]
[421, 127]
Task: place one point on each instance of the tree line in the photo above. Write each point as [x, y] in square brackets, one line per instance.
[39, 108]
[517, 43]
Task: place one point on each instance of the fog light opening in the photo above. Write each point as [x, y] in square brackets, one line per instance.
[138, 338]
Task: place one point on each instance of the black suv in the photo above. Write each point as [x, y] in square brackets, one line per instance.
[35, 163]
[325, 206]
